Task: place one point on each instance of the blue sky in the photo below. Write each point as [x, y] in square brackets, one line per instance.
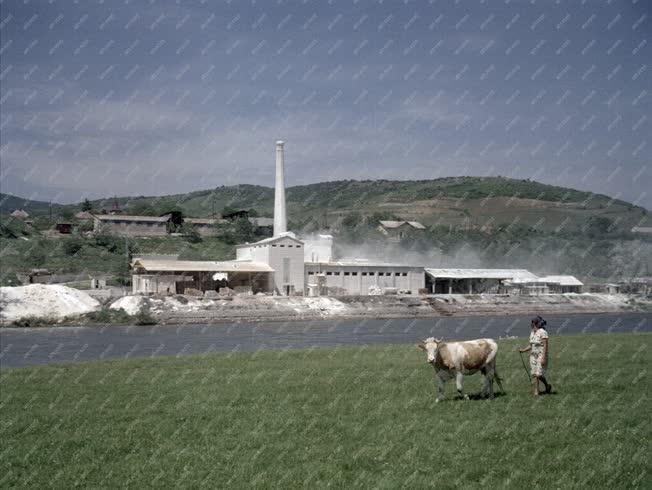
[150, 97]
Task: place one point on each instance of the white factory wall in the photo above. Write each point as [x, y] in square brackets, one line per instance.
[318, 249]
[292, 250]
[357, 279]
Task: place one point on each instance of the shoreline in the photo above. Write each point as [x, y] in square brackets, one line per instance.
[170, 310]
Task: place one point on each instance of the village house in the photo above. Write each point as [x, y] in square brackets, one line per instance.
[397, 230]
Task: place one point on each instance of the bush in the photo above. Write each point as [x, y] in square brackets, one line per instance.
[144, 316]
[107, 315]
[34, 321]
[72, 245]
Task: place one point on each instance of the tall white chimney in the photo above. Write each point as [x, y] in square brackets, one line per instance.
[280, 220]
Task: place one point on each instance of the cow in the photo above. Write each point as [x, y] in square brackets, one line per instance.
[455, 359]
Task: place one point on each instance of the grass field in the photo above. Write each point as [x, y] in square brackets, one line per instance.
[346, 417]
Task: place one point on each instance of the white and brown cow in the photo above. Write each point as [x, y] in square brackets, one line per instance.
[455, 359]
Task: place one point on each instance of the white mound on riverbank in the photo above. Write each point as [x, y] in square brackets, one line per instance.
[130, 304]
[44, 301]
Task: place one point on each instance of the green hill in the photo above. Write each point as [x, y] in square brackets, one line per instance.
[9, 202]
[470, 222]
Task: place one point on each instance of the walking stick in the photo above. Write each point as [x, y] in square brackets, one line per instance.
[529, 378]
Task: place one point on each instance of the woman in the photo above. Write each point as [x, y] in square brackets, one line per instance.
[538, 350]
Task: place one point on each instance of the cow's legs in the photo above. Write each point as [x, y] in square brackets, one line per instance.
[442, 377]
[488, 389]
[459, 382]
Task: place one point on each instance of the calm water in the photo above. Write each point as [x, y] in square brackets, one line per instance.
[23, 347]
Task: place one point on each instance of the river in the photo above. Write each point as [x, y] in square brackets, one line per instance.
[37, 346]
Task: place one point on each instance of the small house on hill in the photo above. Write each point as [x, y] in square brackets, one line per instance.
[20, 214]
[396, 230]
[232, 216]
[127, 225]
[63, 228]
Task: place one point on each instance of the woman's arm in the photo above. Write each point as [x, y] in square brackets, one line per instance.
[527, 349]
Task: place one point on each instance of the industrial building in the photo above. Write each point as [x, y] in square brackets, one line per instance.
[287, 265]
[126, 225]
[175, 276]
[473, 281]
[284, 255]
[361, 278]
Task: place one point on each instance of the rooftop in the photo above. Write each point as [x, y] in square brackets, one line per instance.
[562, 280]
[396, 224]
[361, 263]
[288, 235]
[200, 266]
[127, 217]
[481, 274]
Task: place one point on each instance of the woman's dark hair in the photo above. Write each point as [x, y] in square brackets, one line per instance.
[539, 322]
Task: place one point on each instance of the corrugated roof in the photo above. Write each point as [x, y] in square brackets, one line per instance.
[201, 266]
[127, 217]
[481, 274]
[642, 229]
[562, 280]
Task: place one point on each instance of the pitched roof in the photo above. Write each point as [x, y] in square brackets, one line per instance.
[20, 213]
[200, 266]
[273, 239]
[397, 224]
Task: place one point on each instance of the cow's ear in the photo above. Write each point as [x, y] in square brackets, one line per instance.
[421, 346]
[439, 341]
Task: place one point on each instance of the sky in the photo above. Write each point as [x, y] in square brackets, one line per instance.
[127, 97]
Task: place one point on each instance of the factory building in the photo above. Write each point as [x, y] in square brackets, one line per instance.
[361, 278]
[176, 276]
[473, 281]
[284, 256]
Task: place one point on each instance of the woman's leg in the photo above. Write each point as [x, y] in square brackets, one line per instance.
[547, 385]
[535, 385]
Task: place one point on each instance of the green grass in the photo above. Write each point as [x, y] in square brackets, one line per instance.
[346, 417]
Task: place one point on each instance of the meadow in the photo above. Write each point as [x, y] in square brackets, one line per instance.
[343, 417]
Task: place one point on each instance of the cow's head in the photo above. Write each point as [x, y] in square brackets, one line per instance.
[430, 345]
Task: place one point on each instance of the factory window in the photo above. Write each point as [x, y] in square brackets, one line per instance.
[381, 273]
[364, 273]
[397, 273]
[404, 274]
[273, 245]
[281, 245]
[347, 273]
[354, 273]
[311, 273]
[298, 246]
[329, 273]
[371, 273]
[336, 273]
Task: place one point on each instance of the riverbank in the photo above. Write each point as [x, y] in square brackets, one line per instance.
[40, 305]
[175, 309]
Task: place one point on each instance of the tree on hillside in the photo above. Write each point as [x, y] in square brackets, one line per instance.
[86, 205]
[243, 230]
